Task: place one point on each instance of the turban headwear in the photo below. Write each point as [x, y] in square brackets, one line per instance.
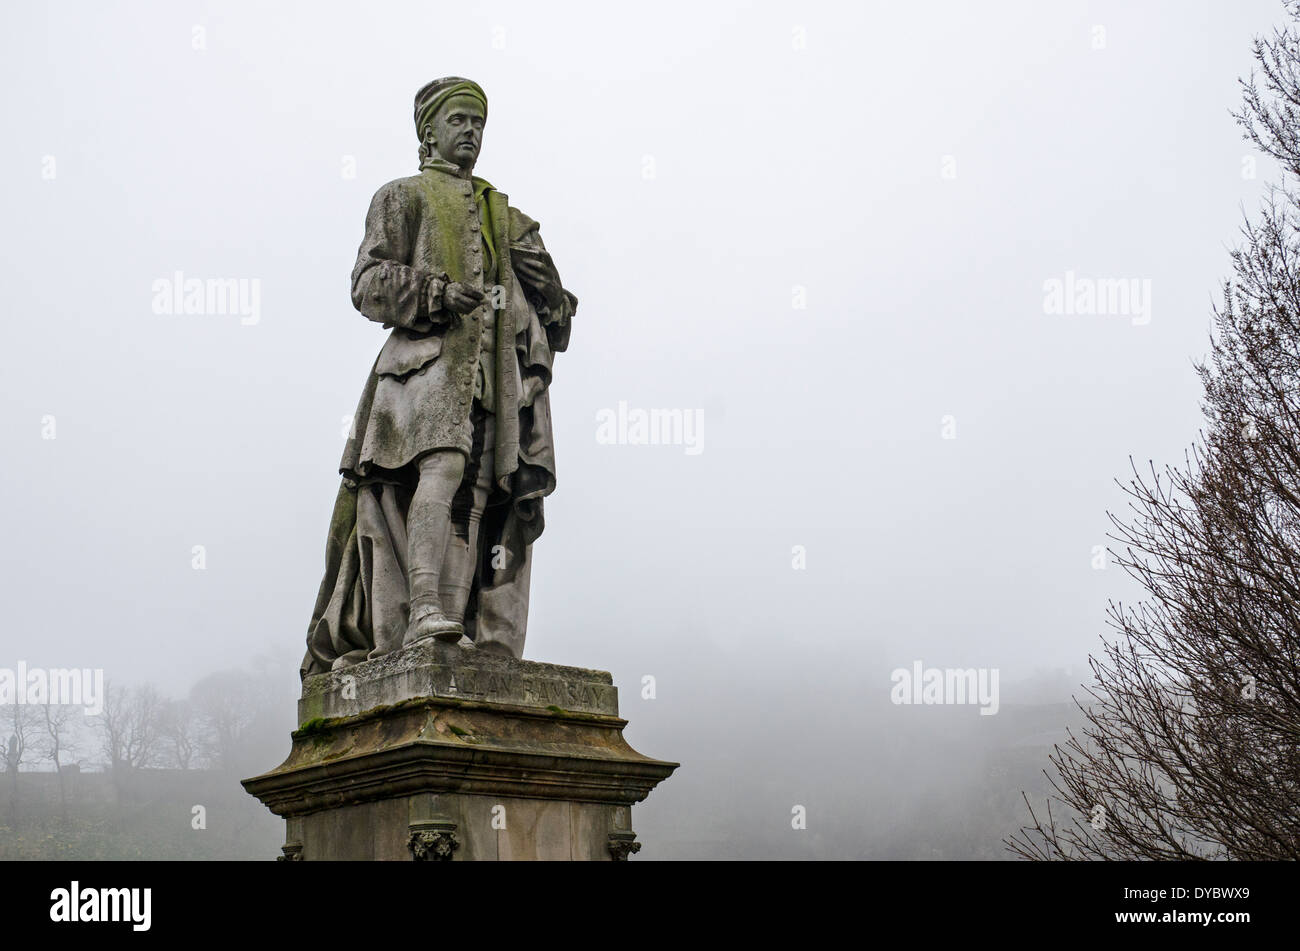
[430, 97]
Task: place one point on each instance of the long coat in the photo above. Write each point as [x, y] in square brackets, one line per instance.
[421, 230]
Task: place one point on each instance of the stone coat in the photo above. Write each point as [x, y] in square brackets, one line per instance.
[422, 230]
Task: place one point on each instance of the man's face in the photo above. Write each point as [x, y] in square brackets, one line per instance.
[458, 130]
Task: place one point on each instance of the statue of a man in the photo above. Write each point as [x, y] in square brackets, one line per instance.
[451, 452]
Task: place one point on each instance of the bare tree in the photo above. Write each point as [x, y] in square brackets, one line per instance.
[180, 733]
[20, 724]
[231, 704]
[57, 739]
[129, 726]
[1191, 747]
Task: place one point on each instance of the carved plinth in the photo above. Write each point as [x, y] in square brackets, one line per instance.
[438, 753]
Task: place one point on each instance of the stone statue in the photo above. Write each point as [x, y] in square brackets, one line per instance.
[451, 452]
[420, 724]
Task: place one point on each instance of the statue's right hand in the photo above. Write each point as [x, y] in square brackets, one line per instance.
[461, 298]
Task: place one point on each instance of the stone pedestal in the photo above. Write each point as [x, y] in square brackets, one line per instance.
[438, 753]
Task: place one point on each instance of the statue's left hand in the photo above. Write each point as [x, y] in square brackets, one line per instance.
[541, 276]
[535, 272]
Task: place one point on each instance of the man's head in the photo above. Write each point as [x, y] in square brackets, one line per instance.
[449, 118]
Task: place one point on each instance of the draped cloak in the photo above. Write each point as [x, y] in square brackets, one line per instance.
[436, 227]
